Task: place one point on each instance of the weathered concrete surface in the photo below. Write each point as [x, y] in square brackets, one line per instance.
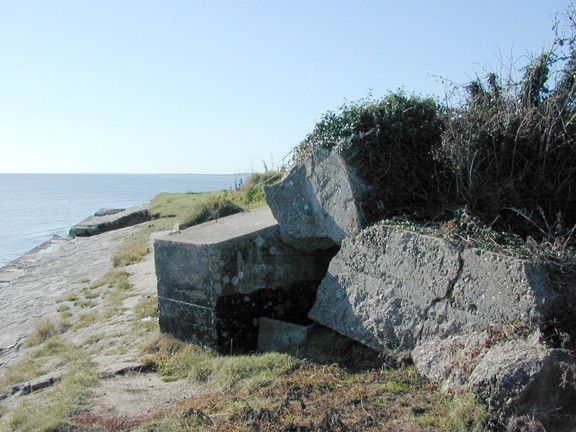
[515, 375]
[316, 204]
[216, 279]
[35, 285]
[273, 335]
[389, 288]
[105, 220]
[462, 314]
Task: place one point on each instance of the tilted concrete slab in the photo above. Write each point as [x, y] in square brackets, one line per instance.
[471, 319]
[215, 280]
[105, 220]
[317, 202]
[389, 288]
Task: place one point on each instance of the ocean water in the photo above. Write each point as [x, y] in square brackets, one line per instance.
[35, 207]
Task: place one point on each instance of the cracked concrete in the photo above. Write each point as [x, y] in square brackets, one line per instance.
[447, 296]
[390, 288]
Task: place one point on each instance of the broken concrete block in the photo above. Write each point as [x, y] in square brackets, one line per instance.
[105, 220]
[514, 374]
[36, 384]
[389, 288]
[316, 204]
[215, 280]
[381, 284]
[273, 335]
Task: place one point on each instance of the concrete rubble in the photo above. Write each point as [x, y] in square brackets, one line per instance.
[316, 203]
[470, 319]
[105, 220]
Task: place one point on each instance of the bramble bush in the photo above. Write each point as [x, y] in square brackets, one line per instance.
[389, 142]
[504, 152]
[510, 146]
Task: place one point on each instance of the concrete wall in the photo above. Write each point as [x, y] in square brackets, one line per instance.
[216, 279]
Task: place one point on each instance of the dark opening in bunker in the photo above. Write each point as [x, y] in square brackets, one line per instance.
[238, 314]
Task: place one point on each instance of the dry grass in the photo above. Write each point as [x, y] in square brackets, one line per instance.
[326, 391]
[312, 397]
[135, 247]
[46, 328]
[131, 251]
[49, 410]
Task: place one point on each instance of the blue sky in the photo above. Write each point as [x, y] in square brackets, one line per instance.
[184, 86]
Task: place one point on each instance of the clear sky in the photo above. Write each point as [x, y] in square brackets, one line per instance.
[185, 86]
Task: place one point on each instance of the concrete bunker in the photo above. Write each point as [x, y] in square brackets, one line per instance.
[215, 280]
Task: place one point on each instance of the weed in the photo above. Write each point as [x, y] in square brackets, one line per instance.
[113, 279]
[89, 292]
[465, 414]
[45, 329]
[389, 143]
[216, 206]
[22, 371]
[63, 308]
[187, 209]
[85, 319]
[175, 205]
[71, 297]
[277, 391]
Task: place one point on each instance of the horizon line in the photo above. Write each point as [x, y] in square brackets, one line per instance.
[120, 173]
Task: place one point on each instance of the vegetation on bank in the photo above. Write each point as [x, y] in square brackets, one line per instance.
[497, 158]
[197, 207]
[329, 383]
[182, 210]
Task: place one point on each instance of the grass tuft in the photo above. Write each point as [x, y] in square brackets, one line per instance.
[46, 328]
[131, 251]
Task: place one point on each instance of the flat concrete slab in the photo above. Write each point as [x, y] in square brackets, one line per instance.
[226, 228]
[105, 220]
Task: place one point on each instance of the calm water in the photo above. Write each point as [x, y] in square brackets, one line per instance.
[34, 207]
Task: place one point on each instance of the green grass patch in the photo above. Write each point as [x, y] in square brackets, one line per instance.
[63, 308]
[22, 371]
[71, 297]
[277, 391]
[176, 205]
[214, 207]
[119, 289]
[189, 209]
[179, 360]
[146, 307]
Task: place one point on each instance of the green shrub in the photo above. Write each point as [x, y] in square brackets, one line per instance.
[390, 143]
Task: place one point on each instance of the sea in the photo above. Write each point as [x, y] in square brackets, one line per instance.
[36, 207]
